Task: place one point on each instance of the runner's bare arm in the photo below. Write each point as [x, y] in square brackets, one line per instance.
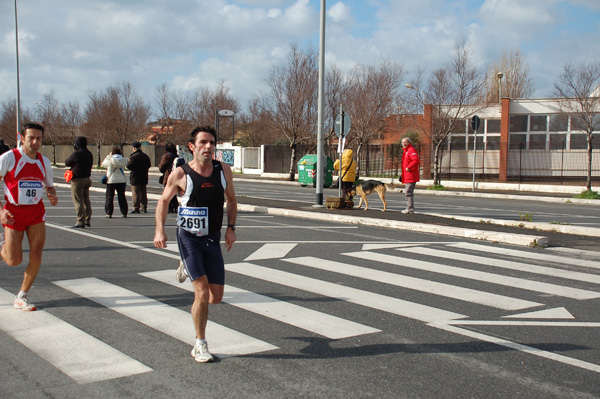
[175, 183]
[5, 216]
[230, 236]
[52, 197]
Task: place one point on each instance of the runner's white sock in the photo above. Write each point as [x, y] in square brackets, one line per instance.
[21, 294]
[200, 341]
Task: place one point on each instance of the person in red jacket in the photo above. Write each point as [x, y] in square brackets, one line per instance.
[410, 173]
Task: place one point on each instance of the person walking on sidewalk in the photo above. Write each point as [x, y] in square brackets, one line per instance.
[81, 162]
[166, 166]
[410, 173]
[114, 164]
[25, 173]
[203, 185]
[138, 164]
[347, 173]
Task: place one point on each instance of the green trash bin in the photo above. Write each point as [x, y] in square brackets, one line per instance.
[307, 168]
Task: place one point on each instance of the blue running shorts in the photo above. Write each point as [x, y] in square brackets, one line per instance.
[201, 255]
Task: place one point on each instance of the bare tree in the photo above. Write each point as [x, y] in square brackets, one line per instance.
[133, 114]
[173, 115]
[8, 121]
[255, 125]
[52, 120]
[452, 92]
[514, 82]
[336, 92]
[291, 100]
[577, 91]
[371, 92]
[205, 104]
[72, 118]
[117, 115]
[97, 121]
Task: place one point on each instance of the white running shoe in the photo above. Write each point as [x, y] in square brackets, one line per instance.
[407, 211]
[23, 304]
[180, 273]
[201, 354]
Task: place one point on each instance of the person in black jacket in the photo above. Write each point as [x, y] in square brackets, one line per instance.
[138, 164]
[167, 164]
[80, 162]
[3, 147]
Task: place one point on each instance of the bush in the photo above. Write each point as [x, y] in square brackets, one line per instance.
[588, 194]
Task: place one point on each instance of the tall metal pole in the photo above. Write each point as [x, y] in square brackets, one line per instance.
[320, 152]
[474, 156]
[18, 80]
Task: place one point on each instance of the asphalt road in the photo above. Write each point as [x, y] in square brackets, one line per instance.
[485, 207]
[313, 309]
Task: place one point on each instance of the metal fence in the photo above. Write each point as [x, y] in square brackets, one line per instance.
[560, 166]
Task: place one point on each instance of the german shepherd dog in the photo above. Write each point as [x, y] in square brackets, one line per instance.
[367, 187]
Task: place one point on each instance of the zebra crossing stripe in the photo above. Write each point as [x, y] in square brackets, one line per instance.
[506, 264]
[471, 274]
[531, 255]
[307, 319]
[223, 341]
[76, 353]
[417, 284]
[519, 347]
[364, 298]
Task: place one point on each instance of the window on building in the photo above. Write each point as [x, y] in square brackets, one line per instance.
[479, 143]
[537, 141]
[493, 126]
[537, 123]
[457, 142]
[517, 141]
[492, 142]
[558, 141]
[459, 127]
[518, 123]
[578, 141]
[559, 123]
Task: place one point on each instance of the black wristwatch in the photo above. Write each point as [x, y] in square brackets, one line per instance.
[232, 226]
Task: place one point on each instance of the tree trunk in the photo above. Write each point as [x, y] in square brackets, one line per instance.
[53, 153]
[589, 163]
[293, 163]
[99, 159]
[436, 166]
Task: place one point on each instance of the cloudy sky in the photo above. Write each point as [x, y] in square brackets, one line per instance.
[75, 46]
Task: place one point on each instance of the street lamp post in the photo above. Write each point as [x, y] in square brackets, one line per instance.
[226, 113]
[320, 151]
[18, 80]
[500, 75]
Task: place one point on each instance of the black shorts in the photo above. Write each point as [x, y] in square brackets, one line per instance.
[202, 256]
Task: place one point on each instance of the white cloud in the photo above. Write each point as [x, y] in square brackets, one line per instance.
[73, 46]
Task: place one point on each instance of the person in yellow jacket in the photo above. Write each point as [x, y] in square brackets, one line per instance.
[348, 172]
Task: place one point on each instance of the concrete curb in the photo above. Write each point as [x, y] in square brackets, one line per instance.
[492, 236]
[555, 228]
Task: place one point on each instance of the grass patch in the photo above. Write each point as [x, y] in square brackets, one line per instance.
[588, 194]
[437, 187]
[526, 217]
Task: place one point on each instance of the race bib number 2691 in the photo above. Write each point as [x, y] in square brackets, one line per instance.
[193, 219]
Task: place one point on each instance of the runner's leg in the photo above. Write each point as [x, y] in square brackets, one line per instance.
[36, 234]
[12, 250]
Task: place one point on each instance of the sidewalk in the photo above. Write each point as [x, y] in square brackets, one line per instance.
[580, 242]
[566, 238]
